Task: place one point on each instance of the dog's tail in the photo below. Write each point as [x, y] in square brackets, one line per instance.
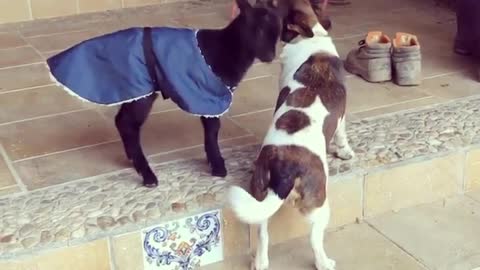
[248, 209]
[271, 184]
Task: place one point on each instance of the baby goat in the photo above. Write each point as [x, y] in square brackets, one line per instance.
[197, 69]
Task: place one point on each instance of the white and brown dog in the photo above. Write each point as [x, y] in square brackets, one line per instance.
[310, 112]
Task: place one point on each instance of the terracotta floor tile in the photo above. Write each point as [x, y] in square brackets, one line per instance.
[47, 55]
[24, 77]
[403, 106]
[25, 104]
[442, 235]
[11, 40]
[198, 151]
[136, 3]
[6, 178]
[160, 105]
[57, 25]
[18, 56]
[168, 131]
[346, 246]
[254, 95]
[139, 21]
[90, 161]
[475, 195]
[257, 123]
[363, 96]
[72, 165]
[60, 41]
[452, 86]
[434, 64]
[57, 133]
[214, 20]
[263, 69]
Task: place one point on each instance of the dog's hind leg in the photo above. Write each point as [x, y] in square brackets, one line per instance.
[261, 258]
[211, 127]
[319, 219]
[129, 121]
[343, 149]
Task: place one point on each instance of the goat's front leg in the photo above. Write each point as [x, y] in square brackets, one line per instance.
[211, 127]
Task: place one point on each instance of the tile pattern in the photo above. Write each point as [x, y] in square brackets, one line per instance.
[184, 244]
[81, 140]
[442, 235]
[22, 77]
[102, 203]
[353, 247]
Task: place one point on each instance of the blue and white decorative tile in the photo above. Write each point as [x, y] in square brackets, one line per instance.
[184, 244]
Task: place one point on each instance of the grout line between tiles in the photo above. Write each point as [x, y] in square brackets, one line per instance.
[236, 123]
[22, 65]
[444, 74]
[16, 47]
[26, 88]
[364, 191]
[42, 117]
[12, 170]
[111, 253]
[67, 150]
[250, 113]
[420, 262]
[471, 197]
[57, 33]
[464, 171]
[195, 146]
[394, 104]
[30, 10]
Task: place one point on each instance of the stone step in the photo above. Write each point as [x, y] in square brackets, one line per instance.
[403, 159]
[345, 246]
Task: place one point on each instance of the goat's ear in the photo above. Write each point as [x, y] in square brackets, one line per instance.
[300, 25]
[243, 5]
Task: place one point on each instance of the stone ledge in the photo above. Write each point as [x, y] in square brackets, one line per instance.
[116, 203]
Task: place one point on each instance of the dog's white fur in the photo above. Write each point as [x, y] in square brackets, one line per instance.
[251, 211]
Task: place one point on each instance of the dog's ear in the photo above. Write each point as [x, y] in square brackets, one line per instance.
[300, 25]
[243, 5]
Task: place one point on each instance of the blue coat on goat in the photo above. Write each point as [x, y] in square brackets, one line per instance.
[133, 63]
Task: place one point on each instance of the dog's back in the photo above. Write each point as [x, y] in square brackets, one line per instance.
[311, 103]
[292, 163]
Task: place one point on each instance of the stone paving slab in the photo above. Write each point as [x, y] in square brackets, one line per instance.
[116, 203]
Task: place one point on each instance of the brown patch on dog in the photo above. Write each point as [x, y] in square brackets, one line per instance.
[293, 172]
[282, 96]
[301, 98]
[323, 74]
[300, 16]
[292, 121]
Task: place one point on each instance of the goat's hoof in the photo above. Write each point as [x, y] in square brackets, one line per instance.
[218, 168]
[150, 181]
[220, 172]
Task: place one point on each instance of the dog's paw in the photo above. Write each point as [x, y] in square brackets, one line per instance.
[150, 180]
[259, 264]
[328, 264]
[345, 153]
